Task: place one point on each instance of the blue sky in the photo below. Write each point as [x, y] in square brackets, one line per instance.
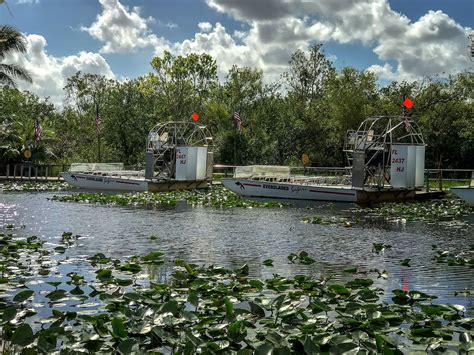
[396, 39]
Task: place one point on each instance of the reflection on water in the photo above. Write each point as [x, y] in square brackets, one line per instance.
[230, 237]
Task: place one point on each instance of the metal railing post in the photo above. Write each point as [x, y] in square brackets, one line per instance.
[8, 170]
[427, 177]
[440, 180]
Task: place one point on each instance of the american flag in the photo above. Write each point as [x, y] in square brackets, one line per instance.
[237, 120]
[98, 120]
[407, 124]
[38, 130]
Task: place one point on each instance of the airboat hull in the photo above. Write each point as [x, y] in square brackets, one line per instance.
[136, 184]
[283, 191]
[336, 193]
[464, 193]
[105, 183]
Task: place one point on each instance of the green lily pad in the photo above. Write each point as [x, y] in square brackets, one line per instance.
[23, 335]
[23, 295]
[9, 313]
[56, 295]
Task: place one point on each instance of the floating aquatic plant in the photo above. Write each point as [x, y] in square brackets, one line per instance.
[209, 309]
[448, 212]
[466, 257]
[429, 211]
[210, 197]
[35, 186]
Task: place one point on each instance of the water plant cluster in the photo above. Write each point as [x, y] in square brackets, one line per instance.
[208, 309]
[215, 196]
[439, 211]
[466, 257]
[331, 221]
[35, 186]
[429, 211]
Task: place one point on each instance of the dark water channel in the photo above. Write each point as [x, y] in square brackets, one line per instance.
[231, 237]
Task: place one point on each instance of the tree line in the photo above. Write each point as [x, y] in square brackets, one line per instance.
[306, 111]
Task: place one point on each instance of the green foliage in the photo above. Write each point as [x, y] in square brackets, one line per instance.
[11, 40]
[211, 197]
[18, 113]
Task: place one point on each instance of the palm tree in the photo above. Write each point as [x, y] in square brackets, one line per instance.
[11, 41]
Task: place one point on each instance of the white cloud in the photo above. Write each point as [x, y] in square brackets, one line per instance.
[170, 25]
[384, 72]
[205, 26]
[433, 44]
[221, 46]
[261, 47]
[123, 30]
[50, 73]
[19, 2]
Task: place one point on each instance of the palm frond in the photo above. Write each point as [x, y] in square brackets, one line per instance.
[11, 40]
[6, 80]
[9, 72]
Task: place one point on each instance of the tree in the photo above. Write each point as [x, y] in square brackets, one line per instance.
[307, 74]
[445, 111]
[350, 97]
[133, 117]
[306, 80]
[88, 95]
[182, 83]
[11, 41]
[18, 114]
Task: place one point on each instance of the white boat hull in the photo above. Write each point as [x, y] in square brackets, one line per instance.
[277, 190]
[465, 193]
[110, 183]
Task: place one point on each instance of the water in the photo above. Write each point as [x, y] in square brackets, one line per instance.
[231, 237]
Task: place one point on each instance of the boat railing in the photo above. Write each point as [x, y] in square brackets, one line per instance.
[124, 174]
[305, 180]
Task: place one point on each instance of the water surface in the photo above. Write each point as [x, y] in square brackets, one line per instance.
[231, 237]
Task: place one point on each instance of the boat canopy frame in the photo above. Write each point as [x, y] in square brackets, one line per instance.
[164, 139]
[374, 139]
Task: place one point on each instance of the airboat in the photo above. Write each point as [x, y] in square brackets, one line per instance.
[386, 162]
[178, 156]
[465, 193]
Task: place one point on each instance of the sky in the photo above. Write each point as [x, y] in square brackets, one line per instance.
[396, 39]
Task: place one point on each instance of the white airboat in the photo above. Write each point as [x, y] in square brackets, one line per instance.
[178, 156]
[386, 157]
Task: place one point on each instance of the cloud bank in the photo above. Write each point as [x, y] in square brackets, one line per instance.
[432, 44]
[50, 73]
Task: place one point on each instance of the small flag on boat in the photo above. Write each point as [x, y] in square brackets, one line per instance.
[38, 130]
[237, 120]
[98, 120]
